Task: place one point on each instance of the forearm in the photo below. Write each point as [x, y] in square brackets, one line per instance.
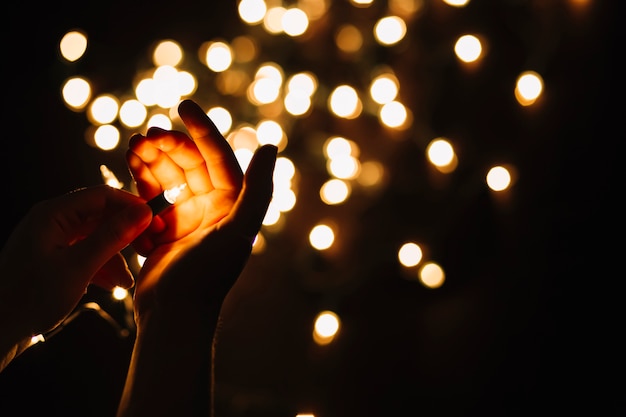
[170, 372]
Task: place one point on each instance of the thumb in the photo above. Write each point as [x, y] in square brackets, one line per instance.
[91, 253]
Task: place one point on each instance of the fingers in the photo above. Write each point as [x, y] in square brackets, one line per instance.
[251, 207]
[97, 249]
[222, 165]
[114, 273]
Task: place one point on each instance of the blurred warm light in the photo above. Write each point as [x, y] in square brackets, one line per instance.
[498, 178]
[337, 147]
[119, 293]
[305, 415]
[252, 11]
[528, 88]
[73, 45]
[345, 167]
[384, 88]
[166, 86]
[371, 173]
[132, 113]
[440, 152]
[457, 3]
[222, 119]
[103, 109]
[244, 49]
[390, 30]
[431, 275]
[326, 327]
[259, 244]
[314, 9]
[167, 52]
[284, 199]
[160, 120]
[295, 22]
[107, 137]
[468, 48]
[140, 260]
[394, 114]
[269, 132]
[273, 20]
[244, 137]
[410, 254]
[334, 191]
[348, 38]
[110, 178]
[361, 2]
[322, 237]
[76, 92]
[405, 7]
[344, 102]
[219, 56]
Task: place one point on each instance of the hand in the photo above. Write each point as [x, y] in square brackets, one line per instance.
[197, 248]
[59, 248]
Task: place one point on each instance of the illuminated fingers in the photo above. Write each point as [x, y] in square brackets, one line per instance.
[222, 165]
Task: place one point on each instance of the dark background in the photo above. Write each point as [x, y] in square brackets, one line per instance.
[530, 319]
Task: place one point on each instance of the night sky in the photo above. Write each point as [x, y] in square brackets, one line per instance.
[530, 318]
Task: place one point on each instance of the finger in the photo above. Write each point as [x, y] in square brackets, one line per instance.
[222, 165]
[251, 207]
[114, 273]
[95, 250]
[182, 151]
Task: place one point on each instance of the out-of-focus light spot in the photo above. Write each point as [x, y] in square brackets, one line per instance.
[166, 86]
[107, 137]
[456, 3]
[394, 114]
[295, 22]
[284, 199]
[272, 215]
[259, 244]
[410, 254]
[103, 109]
[244, 156]
[440, 152]
[315, 9]
[468, 48]
[431, 275]
[344, 102]
[303, 82]
[297, 103]
[321, 237]
[140, 260]
[219, 56]
[405, 7]
[110, 178]
[334, 191]
[326, 327]
[264, 91]
[305, 415]
[244, 137]
[337, 147]
[160, 120]
[145, 92]
[346, 167]
[167, 52]
[186, 83]
[528, 88]
[73, 45]
[244, 49]
[252, 11]
[371, 174]
[119, 293]
[349, 39]
[273, 20]
[361, 3]
[222, 119]
[384, 88]
[133, 113]
[389, 30]
[76, 93]
[498, 178]
[269, 132]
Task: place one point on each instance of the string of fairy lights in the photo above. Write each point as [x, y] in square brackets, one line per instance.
[256, 97]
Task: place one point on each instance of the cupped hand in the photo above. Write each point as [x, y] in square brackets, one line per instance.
[196, 249]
